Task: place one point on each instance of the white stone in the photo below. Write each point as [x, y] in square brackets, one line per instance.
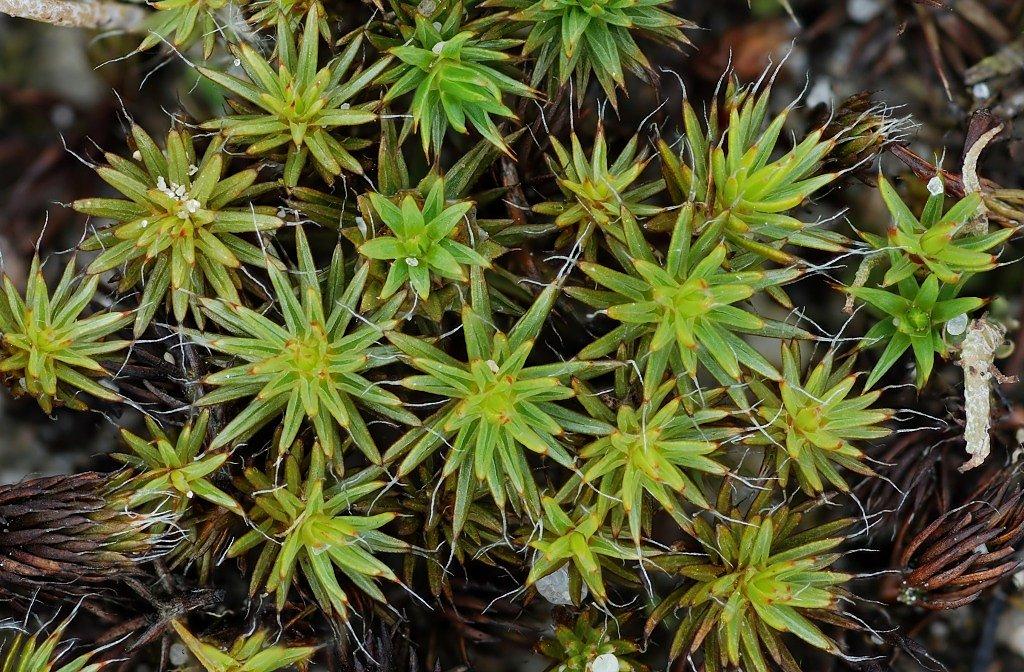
[555, 587]
[935, 186]
[178, 655]
[957, 325]
[980, 91]
[606, 662]
[412, 261]
[820, 93]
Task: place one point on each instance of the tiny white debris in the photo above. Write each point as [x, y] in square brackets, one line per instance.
[980, 91]
[935, 186]
[438, 47]
[863, 11]
[555, 587]
[190, 494]
[137, 155]
[957, 325]
[169, 358]
[344, 106]
[237, 62]
[192, 169]
[981, 549]
[437, 25]
[976, 355]
[606, 662]
[492, 365]
[412, 261]
[281, 213]
[178, 655]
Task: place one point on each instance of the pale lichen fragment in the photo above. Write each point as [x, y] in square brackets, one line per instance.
[78, 14]
[976, 355]
[972, 183]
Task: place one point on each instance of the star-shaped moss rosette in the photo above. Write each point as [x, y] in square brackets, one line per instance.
[458, 78]
[302, 106]
[418, 241]
[428, 522]
[33, 653]
[47, 350]
[576, 646]
[248, 653]
[582, 542]
[912, 319]
[734, 174]
[178, 234]
[169, 470]
[270, 13]
[310, 364]
[595, 194]
[811, 425]
[753, 576]
[658, 456]
[682, 310]
[580, 38]
[184, 23]
[939, 242]
[497, 407]
[303, 531]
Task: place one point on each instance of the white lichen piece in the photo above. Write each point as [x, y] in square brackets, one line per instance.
[976, 355]
[120, 16]
[972, 183]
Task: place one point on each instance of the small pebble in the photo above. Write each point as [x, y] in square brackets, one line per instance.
[555, 587]
[935, 186]
[606, 662]
[62, 116]
[178, 655]
[957, 325]
[863, 11]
